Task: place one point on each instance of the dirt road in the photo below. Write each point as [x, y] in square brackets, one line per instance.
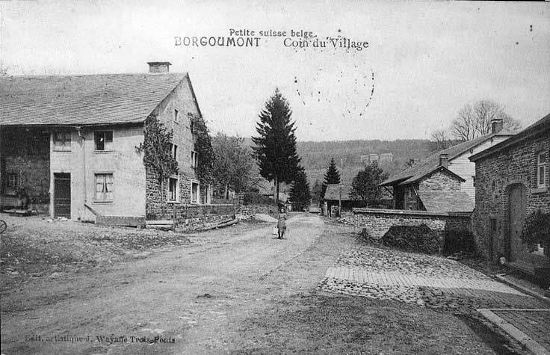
[228, 291]
[187, 295]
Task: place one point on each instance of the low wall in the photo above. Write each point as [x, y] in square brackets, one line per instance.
[378, 221]
[250, 210]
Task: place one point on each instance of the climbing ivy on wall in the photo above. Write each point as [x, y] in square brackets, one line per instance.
[203, 146]
[157, 149]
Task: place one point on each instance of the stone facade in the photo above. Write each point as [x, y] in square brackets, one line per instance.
[24, 164]
[496, 175]
[177, 113]
[437, 181]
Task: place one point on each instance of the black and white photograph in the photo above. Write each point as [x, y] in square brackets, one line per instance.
[274, 177]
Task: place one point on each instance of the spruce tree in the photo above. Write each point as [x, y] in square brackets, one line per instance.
[366, 185]
[300, 196]
[275, 147]
[332, 176]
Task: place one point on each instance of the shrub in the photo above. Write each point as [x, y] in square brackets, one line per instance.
[459, 241]
[536, 230]
[412, 238]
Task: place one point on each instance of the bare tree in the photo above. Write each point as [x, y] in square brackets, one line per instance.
[475, 120]
[441, 139]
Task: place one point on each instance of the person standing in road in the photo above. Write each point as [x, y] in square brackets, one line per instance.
[281, 223]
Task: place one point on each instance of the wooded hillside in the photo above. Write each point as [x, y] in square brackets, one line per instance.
[316, 155]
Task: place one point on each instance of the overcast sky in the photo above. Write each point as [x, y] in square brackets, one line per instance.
[425, 60]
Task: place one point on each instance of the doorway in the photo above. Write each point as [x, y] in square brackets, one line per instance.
[62, 195]
[517, 207]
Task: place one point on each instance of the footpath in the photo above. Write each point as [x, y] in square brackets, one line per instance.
[440, 283]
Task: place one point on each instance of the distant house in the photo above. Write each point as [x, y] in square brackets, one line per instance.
[512, 180]
[336, 194]
[70, 142]
[443, 182]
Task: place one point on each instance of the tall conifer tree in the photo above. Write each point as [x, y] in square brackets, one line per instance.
[332, 176]
[275, 147]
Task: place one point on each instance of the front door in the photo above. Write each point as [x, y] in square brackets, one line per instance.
[517, 204]
[62, 195]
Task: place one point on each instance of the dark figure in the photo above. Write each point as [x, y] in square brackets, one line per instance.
[281, 224]
[23, 199]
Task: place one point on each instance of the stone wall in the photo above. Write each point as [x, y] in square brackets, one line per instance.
[495, 176]
[26, 154]
[378, 221]
[249, 210]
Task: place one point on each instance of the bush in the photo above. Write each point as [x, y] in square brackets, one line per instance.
[412, 238]
[365, 237]
[459, 241]
[536, 230]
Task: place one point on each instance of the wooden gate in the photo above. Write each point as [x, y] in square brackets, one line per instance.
[62, 195]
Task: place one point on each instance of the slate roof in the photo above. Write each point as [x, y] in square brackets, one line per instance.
[541, 126]
[446, 201]
[333, 192]
[431, 163]
[83, 99]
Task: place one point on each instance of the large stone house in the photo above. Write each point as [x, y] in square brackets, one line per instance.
[512, 181]
[70, 142]
[444, 181]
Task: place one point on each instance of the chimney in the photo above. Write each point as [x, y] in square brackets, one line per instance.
[496, 125]
[444, 160]
[159, 67]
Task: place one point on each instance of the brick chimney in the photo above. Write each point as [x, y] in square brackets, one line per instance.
[496, 125]
[444, 160]
[159, 67]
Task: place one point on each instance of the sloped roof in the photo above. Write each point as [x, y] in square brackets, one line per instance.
[83, 99]
[446, 201]
[333, 192]
[541, 126]
[431, 163]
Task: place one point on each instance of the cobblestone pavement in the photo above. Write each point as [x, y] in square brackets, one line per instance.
[426, 280]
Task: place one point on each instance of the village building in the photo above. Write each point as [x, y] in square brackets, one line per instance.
[444, 181]
[512, 181]
[338, 195]
[71, 143]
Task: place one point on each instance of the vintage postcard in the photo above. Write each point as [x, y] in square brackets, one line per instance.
[189, 177]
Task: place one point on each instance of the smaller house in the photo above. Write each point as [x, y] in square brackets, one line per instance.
[444, 181]
[337, 194]
[512, 181]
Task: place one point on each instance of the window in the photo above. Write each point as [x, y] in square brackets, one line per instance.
[172, 189]
[473, 180]
[103, 140]
[176, 113]
[194, 159]
[542, 169]
[194, 192]
[493, 222]
[103, 187]
[174, 150]
[192, 125]
[13, 181]
[62, 141]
